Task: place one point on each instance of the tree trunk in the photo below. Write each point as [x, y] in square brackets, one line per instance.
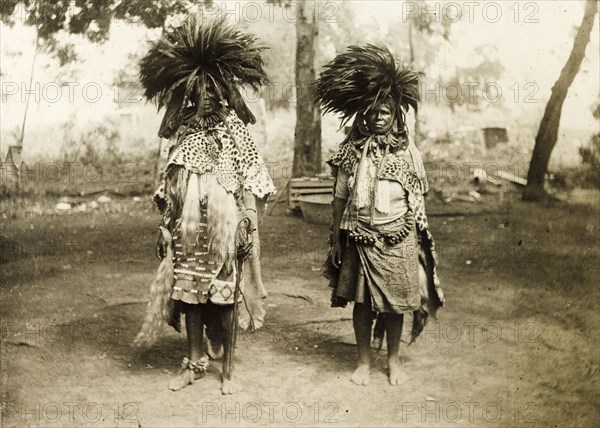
[307, 142]
[412, 62]
[24, 123]
[548, 130]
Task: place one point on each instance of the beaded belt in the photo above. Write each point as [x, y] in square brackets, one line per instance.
[391, 234]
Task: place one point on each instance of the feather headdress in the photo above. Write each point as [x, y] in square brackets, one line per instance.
[361, 78]
[188, 58]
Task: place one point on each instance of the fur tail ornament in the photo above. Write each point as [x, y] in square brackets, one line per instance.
[159, 307]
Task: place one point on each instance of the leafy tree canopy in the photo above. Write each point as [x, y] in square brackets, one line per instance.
[90, 18]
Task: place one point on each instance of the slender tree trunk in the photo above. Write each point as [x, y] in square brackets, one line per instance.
[35, 53]
[307, 143]
[412, 61]
[548, 130]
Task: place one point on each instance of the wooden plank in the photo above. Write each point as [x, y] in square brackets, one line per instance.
[512, 177]
[310, 185]
[310, 179]
[299, 187]
[310, 191]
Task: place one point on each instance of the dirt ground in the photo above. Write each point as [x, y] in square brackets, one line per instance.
[516, 344]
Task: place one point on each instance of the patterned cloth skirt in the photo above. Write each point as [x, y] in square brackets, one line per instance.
[199, 277]
[204, 253]
[383, 273]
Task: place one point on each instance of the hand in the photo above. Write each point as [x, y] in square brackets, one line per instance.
[336, 254]
[244, 238]
[161, 246]
[253, 217]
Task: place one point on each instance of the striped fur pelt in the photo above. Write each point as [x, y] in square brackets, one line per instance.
[221, 211]
[160, 304]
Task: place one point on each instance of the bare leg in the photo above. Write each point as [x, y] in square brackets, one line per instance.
[214, 338]
[393, 328]
[193, 327]
[362, 320]
[228, 386]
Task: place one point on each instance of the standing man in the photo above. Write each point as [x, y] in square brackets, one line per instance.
[382, 256]
[214, 181]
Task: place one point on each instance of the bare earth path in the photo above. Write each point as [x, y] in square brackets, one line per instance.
[517, 344]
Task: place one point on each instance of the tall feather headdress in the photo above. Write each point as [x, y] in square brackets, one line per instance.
[187, 58]
[361, 78]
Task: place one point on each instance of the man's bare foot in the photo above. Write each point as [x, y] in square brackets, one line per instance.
[361, 375]
[397, 375]
[229, 387]
[189, 372]
[183, 379]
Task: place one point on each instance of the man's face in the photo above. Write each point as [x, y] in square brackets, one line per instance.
[208, 101]
[380, 119]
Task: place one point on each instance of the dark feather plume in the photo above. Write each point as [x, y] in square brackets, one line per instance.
[362, 77]
[186, 58]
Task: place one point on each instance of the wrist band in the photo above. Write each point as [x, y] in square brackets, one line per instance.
[250, 209]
